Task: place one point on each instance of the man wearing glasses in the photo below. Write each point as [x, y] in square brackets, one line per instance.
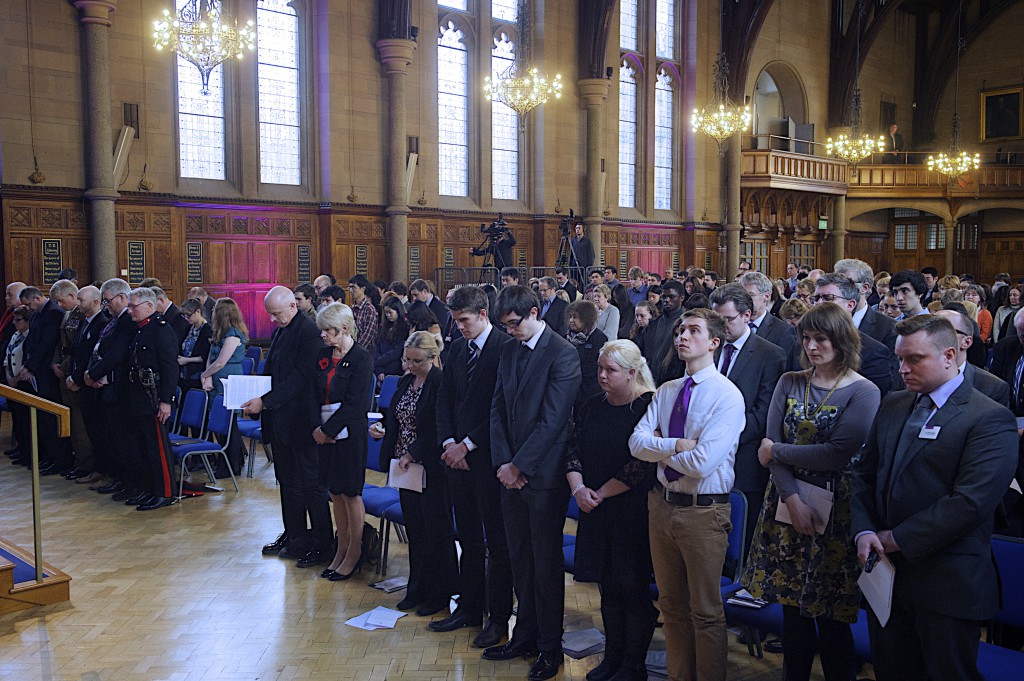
[538, 378]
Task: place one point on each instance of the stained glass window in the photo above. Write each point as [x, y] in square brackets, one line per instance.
[627, 135]
[504, 130]
[628, 20]
[277, 72]
[200, 123]
[452, 112]
[663, 141]
[665, 28]
[505, 10]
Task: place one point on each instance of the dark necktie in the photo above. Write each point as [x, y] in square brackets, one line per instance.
[677, 422]
[753, 326]
[730, 350]
[474, 355]
[918, 418]
[1018, 387]
[522, 360]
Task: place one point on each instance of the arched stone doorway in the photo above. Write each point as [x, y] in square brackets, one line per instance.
[780, 110]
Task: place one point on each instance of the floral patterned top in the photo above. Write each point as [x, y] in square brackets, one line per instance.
[405, 414]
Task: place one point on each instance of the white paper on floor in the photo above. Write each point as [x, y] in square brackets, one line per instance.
[580, 644]
[378, 618]
[391, 585]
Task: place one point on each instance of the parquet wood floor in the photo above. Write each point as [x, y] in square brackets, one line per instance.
[183, 594]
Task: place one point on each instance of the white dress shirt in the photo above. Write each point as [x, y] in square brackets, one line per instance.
[715, 419]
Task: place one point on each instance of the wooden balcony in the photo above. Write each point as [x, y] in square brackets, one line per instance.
[870, 181]
[773, 169]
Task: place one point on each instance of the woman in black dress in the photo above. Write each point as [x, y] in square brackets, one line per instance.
[610, 486]
[195, 348]
[394, 329]
[410, 435]
[344, 377]
[588, 340]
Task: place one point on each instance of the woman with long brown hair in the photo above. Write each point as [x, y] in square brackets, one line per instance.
[227, 350]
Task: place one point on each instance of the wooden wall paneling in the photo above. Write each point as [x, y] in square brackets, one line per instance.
[869, 247]
[1003, 252]
[26, 221]
[261, 264]
[238, 262]
[286, 263]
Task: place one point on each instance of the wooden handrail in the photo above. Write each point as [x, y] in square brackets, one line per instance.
[62, 413]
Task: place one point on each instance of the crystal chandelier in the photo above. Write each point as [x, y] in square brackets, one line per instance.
[204, 36]
[721, 119]
[957, 161]
[522, 87]
[855, 147]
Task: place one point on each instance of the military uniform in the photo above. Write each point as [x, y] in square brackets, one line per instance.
[63, 357]
[152, 378]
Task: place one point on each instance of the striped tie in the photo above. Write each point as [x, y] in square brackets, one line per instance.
[474, 355]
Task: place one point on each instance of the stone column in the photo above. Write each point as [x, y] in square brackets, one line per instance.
[396, 55]
[733, 211]
[950, 244]
[99, 165]
[838, 229]
[593, 95]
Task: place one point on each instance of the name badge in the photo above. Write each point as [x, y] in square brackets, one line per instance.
[929, 432]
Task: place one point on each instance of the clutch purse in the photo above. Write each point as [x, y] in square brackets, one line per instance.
[326, 411]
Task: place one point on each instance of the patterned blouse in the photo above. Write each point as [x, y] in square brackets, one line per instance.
[405, 413]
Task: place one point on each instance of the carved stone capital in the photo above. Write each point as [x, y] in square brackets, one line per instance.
[593, 91]
[396, 54]
[95, 11]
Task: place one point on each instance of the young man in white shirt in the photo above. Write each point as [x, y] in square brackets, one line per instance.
[692, 431]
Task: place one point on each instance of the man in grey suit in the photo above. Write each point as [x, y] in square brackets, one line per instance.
[754, 365]
[764, 324]
[993, 387]
[934, 468]
[871, 322]
[538, 377]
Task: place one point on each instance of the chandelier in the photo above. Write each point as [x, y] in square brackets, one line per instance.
[855, 147]
[957, 161]
[522, 87]
[203, 35]
[721, 119]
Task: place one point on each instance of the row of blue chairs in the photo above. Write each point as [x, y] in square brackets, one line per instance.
[209, 419]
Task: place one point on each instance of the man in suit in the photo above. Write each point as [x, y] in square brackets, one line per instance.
[289, 414]
[581, 253]
[565, 284]
[40, 344]
[867, 320]
[94, 319]
[936, 464]
[421, 290]
[538, 376]
[171, 314]
[463, 429]
[909, 288]
[764, 324]
[65, 294]
[657, 337]
[754, 365]
[893, 145]
[1008, 363]
[931, 281]
[993, 387]
[552, 308]
[205, 299]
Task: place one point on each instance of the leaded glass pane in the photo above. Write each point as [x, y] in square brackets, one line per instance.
[504, 130]
[628, 21]
[277, 73]
[627, 135]
[200, 123]
[453, 112]
[663, 142]
[453, 4]
[666, 28]
[505, 10]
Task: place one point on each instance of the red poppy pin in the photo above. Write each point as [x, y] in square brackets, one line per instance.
[324, 362]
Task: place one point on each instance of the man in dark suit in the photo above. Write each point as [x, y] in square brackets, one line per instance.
[581, 253]
[43, 334]
[421, 290]
[289, 414]
[565, 284]
[538, 376]
[765, 325]
[754, 365]
[1008, 363]
[552, 308]
[893, 145]
[463, 430]
[868, 321]
[993, 387]
[934, 468]
[656, 339]
[95, 318]
[171, 314]
[65, 293]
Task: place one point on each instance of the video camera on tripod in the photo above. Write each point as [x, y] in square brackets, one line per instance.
[493, 232]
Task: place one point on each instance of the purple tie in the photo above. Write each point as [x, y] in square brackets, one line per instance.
[677, 422]
[730, 350]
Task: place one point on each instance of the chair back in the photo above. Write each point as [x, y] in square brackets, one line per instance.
[1009, 558]
[193, 410]
[253, 352]
[737, 536]
[573, 511]
[220, 418]
[387, 391]
[247, 366]
[373, 455]
[260, 366]
[175, 404]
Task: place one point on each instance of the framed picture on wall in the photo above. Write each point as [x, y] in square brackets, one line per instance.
[1001, 114]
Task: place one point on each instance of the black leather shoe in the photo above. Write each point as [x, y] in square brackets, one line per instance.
[157, 502]
[510, 651]
[605, 670]
[125, 494]
[408, 603]
[70, 473]
[139, 499]
[274, 547]
[456, 620]
[491, 636]
[48, 469]
[12, 452]
[432, 607]
[287, 554]
[546, 666]
[111, 488]
[315, 557]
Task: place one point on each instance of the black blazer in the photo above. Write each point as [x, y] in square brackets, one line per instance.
[779, 332]
[875, 363]
[879, 327]
[589, 352]
[290, 410]
[425, 449]
[440, 311]
[43, 335]
[463, 405]
[111, 358]
[992, 387]
[570, 290]
[530, 417]
[1004, 363]
[178, 323]
[351, 385]
[82, 349]
[939, 499]
[755, 370]
[557, 317]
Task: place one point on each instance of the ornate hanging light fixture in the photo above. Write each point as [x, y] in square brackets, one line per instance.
[856, 146]
[204, 36]
[522, 87]
[957, 162]
[721, 119]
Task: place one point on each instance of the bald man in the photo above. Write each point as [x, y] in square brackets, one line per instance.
[993, 387]
[290, 414]
[95, 318]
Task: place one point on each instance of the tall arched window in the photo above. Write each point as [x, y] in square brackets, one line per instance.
[201, 135]
[452, 112]
[627, 134]
[663, 156]
[665, 29]
[277, 75]
[504, 125]
[629, 38]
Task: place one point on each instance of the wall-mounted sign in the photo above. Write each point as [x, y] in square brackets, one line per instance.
[52, 260]
[362, 260]
[136, 262]
[305, 271]
[194, 262]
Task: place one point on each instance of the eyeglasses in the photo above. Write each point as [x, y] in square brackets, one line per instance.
[730, 320]
[827, 298]
[513, 324]
[132, 306]
[414, 362]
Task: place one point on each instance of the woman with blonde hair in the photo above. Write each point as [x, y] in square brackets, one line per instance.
[344, 377]
[227, 350]
[610, 486]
